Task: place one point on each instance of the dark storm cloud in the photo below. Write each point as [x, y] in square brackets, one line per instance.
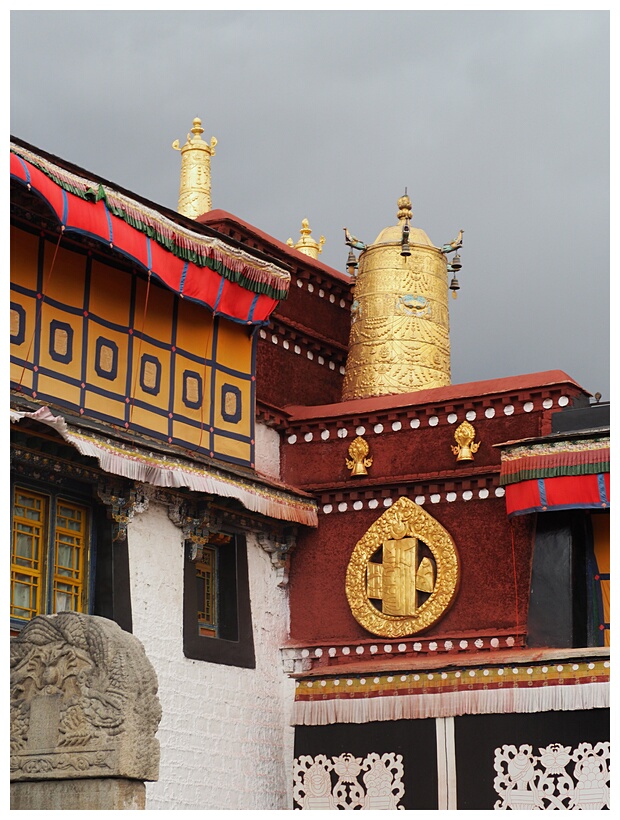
[497, 122]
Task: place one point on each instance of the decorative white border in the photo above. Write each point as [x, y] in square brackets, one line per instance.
[434, 498]
[296, 348]
[339, 429]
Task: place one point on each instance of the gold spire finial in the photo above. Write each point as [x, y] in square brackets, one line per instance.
[195, 188]
[404, 207]
[307, 244]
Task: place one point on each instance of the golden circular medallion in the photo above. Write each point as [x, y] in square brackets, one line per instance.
[403, 573]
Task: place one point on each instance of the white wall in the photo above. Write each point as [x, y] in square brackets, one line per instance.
[225, 737]
[267, 450]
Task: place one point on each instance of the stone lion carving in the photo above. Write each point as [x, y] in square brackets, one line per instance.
[83, 701]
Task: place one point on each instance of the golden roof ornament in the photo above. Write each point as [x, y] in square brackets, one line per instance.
[403, 573]
[399, 339]
[195, 188]
[465, 446]
[359, 459]
[306, 243]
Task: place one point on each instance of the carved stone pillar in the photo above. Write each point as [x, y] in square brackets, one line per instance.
[84, 713]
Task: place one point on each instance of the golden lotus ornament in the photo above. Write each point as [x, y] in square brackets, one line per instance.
[403, 574]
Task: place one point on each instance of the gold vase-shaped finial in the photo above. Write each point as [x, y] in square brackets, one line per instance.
[306, 243]
[195, 188]
[399, 340]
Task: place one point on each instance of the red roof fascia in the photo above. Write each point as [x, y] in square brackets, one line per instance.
[217, 218]
[437, 395]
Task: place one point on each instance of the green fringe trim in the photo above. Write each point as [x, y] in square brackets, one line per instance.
[262, 282]
[552, 472]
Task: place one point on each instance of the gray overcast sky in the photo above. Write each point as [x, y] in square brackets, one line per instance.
[496, 122]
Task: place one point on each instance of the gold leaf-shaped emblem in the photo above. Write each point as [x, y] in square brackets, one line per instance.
[404, 572]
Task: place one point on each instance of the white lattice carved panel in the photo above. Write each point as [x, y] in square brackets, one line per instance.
[373, 783]
[559, 777]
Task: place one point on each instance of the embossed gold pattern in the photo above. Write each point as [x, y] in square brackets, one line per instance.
[465, 446]
[230, 403]
[402, 533]
[61, 341]
[192, 389]
[359, 459]
[399, 339]
[15, 322]
[195, 188]
[106, 358]
[149, 375]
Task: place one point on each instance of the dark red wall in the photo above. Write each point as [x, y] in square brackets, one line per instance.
[486, 598]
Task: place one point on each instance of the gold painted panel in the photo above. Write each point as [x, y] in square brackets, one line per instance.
[24, 258]
[100, 358]
[147, 375]
[194, 329]
[49, 386]
[403, 573]
[112, 408]
[190, 388]
[104, 367]
[243, 406]
[21, 376]
[149, 420]
[192, 435]
[66, 282]
[72, 368]
[110, 294]
[156, 320]
[234, 346]
[231, 447]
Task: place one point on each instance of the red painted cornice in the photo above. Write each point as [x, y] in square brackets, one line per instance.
[219, 218]
[438, 395]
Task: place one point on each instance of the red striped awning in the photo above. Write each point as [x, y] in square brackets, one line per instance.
[560, 493]
[228, 280]
[556, 475]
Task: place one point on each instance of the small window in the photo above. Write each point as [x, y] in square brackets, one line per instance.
[217, 623]
[49, 555]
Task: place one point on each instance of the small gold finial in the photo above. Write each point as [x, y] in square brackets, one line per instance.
[307, 244]
[195, 188]
[465, 447]
[359, 459]
[404, 208]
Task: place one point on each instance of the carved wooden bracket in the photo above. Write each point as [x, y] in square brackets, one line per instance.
[279, 546]
[123, 503]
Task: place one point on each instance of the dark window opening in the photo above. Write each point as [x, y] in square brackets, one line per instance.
[217, 623]
[569, 601]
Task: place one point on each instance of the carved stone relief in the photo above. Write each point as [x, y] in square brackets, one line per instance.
[83, 701]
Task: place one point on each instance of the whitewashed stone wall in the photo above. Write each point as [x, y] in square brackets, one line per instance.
[267, 450]
[225, 737]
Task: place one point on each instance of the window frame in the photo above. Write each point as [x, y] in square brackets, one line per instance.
[53, 496]
[234, 646]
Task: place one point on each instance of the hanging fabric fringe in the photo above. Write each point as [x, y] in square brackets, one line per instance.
[164, 471]
[450, 704]
[233, 264]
